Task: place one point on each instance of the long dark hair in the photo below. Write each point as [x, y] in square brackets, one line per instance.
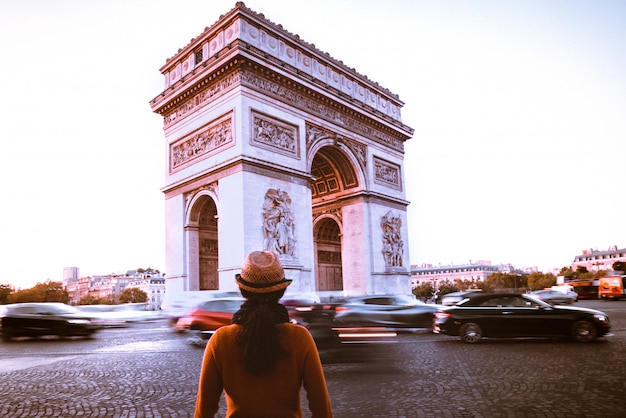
[258, 338]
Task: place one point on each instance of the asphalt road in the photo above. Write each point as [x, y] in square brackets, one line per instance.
[147, 370]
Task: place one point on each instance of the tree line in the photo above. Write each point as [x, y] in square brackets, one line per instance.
[50, 291]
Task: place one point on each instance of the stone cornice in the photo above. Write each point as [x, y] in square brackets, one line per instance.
[243, 72]
[243, 31]
[369, 196]
[268, 169]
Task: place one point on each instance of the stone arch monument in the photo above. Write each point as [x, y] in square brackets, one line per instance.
[273, 144]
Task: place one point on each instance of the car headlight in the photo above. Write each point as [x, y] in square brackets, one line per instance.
[601, 318]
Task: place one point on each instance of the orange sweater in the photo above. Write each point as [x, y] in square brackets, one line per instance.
[276, 395]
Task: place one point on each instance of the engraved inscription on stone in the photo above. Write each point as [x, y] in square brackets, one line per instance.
[387, 173]
[274, 135]
[202, 143]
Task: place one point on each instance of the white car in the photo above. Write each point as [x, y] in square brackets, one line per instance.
[567, 290]
[451, 299]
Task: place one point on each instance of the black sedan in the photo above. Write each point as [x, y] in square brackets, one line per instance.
[40, 319]
[389, 311]
[514, 315]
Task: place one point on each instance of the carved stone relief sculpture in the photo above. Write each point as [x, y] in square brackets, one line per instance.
[202, 143]
[387, 173]
[278, 223]
[274, 135]
[393, 246]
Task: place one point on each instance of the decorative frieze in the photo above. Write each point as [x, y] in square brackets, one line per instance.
[315, 134]
[387, 173]
[328, 209]
[216, 88]
[274, 135]
[315, 107]
[202, 143]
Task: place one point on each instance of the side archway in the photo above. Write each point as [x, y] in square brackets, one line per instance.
[202, 244]
[327, 241]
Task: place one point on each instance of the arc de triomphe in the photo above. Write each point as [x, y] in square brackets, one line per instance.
[273, 144]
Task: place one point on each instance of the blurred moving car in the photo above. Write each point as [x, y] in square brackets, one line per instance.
[177, 305]
[554, 297]
[122, 315]
[307, 310]
[389, 311]
[451, 299]
[207, 317]
[513, 315]
[566, 289]
[40, 319]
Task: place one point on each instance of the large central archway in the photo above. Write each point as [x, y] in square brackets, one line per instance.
[334, 176]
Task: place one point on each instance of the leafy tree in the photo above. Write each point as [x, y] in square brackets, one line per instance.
[485, 286]
[513, 282]
[581, 270]
[447, 287]
[48, 291]
[424, 291]
[537, 280]
[5, 291]
[91, 300]
[497, 280]
[619, 266]
[133, 295]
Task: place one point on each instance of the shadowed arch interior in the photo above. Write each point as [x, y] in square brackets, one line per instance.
[328, 253]
[333, 173]
[204, 234]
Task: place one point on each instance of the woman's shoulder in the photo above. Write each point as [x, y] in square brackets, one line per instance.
[294, 329]
[225, 332]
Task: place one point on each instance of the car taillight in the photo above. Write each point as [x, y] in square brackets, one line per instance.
[341, 308]
[442, 315]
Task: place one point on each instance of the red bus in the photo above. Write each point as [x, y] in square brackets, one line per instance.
[586, 289]
[612, 287]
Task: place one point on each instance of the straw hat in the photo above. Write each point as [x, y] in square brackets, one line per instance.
[262, 273]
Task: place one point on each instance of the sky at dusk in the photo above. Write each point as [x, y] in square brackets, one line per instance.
[519, 111]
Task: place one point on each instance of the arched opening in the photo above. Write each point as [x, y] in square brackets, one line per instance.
[334, 176]
[203, 245]
[333, 173]
[327, 241]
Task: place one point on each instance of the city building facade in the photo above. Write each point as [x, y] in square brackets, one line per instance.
[274, 145]
[594, 259]
[71, 274]
[153, 285]
[473, 272]
[107, 288]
